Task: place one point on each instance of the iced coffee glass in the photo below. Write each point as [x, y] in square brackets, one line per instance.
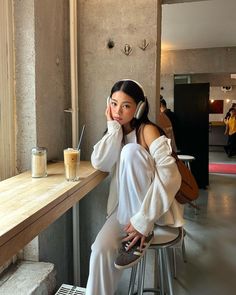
[71, 162]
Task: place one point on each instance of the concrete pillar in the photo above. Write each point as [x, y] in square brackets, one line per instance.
[104, 32]
[42, 94]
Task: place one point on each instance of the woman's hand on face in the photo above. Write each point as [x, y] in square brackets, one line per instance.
[108, 113]
[133, 236]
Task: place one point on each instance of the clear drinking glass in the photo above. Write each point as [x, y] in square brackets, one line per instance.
[39, 162]
[71, 162]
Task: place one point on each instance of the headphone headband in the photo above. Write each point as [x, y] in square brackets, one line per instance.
[140, 86]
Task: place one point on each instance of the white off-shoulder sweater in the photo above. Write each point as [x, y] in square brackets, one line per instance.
[159, 205]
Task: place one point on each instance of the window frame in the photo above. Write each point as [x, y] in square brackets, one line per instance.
[7, 92]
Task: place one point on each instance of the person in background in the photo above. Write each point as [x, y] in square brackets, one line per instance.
[171, 115]
[227, 116]
[144, 182]
[230, 122]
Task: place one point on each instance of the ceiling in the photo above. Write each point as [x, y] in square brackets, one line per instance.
[204, 24]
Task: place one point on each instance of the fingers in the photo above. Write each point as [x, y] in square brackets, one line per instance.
[133, 238]
[133, 242]
[129, 228]
[142, 242]
[129, 237]
[108, 113]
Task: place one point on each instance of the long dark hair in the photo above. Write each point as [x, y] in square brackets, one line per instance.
[134, 90]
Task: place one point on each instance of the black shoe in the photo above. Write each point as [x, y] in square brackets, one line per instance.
[226, 149]
[129, 258]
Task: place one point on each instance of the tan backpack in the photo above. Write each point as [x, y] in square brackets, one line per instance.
[189, 190]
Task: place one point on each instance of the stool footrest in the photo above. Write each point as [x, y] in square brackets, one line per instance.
[153, 290]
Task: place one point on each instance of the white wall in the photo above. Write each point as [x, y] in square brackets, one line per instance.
[212, 65]
[228, 97]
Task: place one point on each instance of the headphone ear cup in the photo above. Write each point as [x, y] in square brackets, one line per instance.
[140, 110]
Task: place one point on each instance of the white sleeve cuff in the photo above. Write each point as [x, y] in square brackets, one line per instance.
[113, 126]
[142, 224]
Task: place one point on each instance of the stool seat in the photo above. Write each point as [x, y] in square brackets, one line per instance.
[165, 237]
[186, 157]
[164, 234]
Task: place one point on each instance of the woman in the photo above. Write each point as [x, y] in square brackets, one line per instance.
[230, 122]
[143, 185]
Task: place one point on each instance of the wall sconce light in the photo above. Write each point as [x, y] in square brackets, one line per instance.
[212, 100]
[227, 100]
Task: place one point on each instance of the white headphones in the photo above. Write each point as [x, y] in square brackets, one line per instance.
[141, 105]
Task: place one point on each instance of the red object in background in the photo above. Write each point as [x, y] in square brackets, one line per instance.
[222, 168]
[216, 106]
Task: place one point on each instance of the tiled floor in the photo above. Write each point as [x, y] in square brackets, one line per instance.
[221, 157]
[210, 240]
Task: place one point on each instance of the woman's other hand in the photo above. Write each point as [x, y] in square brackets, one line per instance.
[133, 236]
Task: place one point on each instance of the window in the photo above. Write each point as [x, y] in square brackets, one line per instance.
[182, 79]
[7, 109]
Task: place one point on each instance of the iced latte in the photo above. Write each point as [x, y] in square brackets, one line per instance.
[71, 161]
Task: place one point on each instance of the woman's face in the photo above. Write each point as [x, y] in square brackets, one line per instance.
[123, 107]
[233, 112]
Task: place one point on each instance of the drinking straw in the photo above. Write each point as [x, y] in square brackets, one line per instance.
[81, 136]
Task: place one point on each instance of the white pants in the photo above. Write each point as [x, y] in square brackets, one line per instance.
[136, 172]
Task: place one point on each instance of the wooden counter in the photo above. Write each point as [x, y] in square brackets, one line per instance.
[28, 205]
[216, 123]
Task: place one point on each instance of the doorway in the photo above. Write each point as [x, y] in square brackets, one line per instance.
[191, 109]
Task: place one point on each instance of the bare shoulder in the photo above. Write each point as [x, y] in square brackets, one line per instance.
[150, 133]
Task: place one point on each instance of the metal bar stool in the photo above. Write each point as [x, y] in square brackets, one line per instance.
[187, 159]
[165, 238]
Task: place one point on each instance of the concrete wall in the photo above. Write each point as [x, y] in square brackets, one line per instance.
[215, 79]
[128, 22]
[179, 1]
[53, 124]
[42, 78]
[52, 75]
[25, 81]
[42, 94]
[190, 61]
[203, 65]
[100, 67]
[42, 91]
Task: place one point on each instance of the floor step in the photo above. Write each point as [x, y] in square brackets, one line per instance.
[28, 278]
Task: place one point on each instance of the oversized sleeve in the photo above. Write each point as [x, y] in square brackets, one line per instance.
[106, 152]
[161, 193]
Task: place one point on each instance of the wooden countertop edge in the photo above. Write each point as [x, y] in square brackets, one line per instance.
[21, 235]
[75, 186]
